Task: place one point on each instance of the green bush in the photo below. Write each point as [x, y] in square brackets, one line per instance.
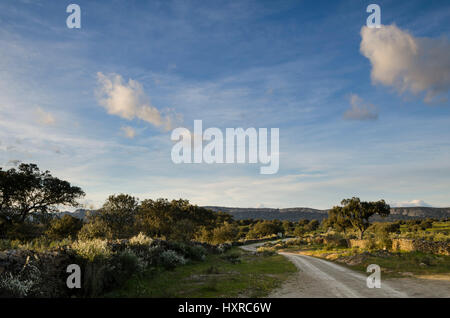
[170, 259]
[65, 227]
[335, 240]
[94, 229]
[21, 284]
[233, 258]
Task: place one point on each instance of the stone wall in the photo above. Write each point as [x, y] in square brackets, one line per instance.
[442, 248]
[409, 245]
[51, 266]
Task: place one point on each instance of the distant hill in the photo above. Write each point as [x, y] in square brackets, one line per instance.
[295, 214]
[290, 214]
[80, 213]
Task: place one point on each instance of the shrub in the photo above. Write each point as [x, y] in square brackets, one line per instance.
[170, 259]
[122, 266]
[5, 244]
[67, 226]
[225, 233]
[140, 239]
[335, 240]
[193, 252]
[21, 284]
[24, 231]
[92, 249]
[94, 229]
[266, 251]
[299, 231]
[233, 258]
[222, 248]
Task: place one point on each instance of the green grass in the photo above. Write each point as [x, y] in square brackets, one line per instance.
[253, 276]
[416, 263]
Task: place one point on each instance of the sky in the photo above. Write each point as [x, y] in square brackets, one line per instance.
[361, 111]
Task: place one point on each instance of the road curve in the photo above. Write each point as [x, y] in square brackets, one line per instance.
[319, 278]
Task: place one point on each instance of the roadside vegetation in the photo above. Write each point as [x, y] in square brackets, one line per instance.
[401, 248]
[235, 273]
[157, 247]
[126, 239]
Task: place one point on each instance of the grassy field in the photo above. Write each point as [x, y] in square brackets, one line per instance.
[217, 276]
[401, 263]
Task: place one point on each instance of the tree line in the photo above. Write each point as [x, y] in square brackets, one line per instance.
[29, 196]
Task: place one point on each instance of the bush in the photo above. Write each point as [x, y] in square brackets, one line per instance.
[335, 240]
[266, 251]
[6, 244]
[92, 249]
[65, 227]
[225, 233]
[25, 231]
[122, 266]
[170, 259]
[140, 239]
[193, 252]
[21, 284]
[233, 258]
[95, 229]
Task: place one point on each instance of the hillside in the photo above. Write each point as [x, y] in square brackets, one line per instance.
[295, 214]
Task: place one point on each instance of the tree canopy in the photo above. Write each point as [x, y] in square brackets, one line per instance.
[358, 212]
[27, 190]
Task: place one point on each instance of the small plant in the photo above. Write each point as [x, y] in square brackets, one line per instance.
[233, 258]
[21, 284]
[170, 259]
[212, 270]
[266, 251]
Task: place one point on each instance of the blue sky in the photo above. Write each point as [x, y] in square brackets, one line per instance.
[372, 122]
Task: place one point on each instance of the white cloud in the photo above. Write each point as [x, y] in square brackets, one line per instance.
[44, 118]
[359, 110]
[129, 101]
[408, 63]
[128, 131]
[412, 203]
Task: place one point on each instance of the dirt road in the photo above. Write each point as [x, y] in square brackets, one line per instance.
[321, 278]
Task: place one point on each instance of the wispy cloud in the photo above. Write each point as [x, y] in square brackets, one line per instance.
[44, 118]
[129, 101]
[360, 110]
[128, 131]
[406, 62]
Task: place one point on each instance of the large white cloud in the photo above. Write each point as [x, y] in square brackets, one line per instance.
[408, 63]
[129, 101]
